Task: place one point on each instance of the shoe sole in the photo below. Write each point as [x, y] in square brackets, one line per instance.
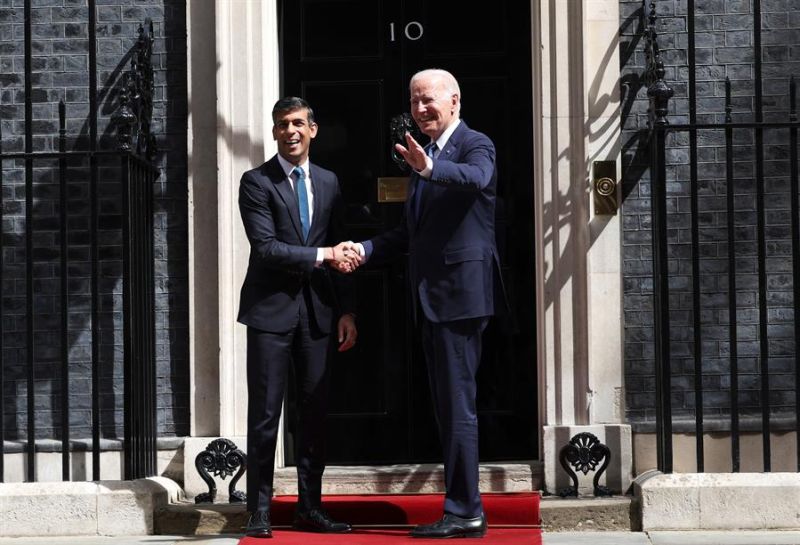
[264, 534]
[301, 528]
[453, 536]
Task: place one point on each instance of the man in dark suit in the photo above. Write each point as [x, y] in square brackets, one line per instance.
[449, 235]
[291, 302]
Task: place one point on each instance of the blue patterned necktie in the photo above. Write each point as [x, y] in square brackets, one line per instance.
[302, 200]
[421, 184]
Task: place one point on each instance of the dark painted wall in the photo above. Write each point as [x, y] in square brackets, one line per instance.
[724, 41]
[60, 72]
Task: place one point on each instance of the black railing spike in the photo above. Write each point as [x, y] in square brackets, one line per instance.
[792, 99]
[728, 104]
[62, 119]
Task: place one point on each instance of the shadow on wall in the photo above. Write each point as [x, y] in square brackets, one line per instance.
[170, 254]
[569, 227]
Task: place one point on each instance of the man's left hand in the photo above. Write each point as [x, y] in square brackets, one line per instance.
[414, 155]
[347, 332]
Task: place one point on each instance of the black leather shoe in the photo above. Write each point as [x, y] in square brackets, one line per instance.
[258, 525]
[317, 520]
[452, 526]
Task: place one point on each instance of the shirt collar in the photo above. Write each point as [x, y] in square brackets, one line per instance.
[289, 167]
[448, 132]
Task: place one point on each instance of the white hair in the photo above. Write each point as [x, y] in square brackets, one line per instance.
[449, 80]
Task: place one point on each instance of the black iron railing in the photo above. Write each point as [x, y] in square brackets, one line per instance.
[660, 131]
[116, 221]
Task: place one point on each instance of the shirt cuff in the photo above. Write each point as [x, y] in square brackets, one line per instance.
[320, 257]
[428, 170]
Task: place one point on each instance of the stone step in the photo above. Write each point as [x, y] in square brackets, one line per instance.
[392, 479]
[558, 515]
[616, 513]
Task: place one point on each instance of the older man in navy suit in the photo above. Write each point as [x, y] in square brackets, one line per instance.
[449, 235]
[291, 303]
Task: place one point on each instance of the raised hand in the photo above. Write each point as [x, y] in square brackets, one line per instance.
[414, 154]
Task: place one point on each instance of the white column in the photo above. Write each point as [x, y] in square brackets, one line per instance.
[562, 211]
[202, 199]
[247, 86]
[233, 83]
[578, 254]
[602, 122]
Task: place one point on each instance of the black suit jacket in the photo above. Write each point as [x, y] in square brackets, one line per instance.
[453, 260]
[281, 273]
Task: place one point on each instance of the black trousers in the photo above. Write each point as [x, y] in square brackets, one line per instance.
[269, 356]
[453, 353]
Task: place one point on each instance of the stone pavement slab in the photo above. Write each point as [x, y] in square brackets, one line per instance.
[735, 537]
[123, 540]
[744, 537]
[595, 538]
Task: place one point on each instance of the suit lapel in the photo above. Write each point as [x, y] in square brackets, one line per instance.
[284, 189]
[449, 153]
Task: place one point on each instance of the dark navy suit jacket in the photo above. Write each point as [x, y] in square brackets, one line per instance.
[453, 260]
[281, 263]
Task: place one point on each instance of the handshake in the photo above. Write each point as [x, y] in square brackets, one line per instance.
[345, 257]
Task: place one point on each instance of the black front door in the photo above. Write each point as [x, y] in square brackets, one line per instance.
[352, 59]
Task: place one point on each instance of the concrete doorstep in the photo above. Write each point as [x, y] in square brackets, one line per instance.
[588, 514]
[102, 508]
[718, 501]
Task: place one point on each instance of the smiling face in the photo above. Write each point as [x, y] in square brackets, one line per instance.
[434, 105]
[293, 132]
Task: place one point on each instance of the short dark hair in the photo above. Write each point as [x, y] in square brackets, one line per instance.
[289, 104]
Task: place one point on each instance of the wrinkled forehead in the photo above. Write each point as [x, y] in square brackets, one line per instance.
[428, 86]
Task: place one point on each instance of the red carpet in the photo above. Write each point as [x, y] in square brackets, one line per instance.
[496, 536]
[513, 519]
[517, 509]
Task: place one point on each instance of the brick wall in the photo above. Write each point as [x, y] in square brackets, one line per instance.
[724, 42]
[61, 72]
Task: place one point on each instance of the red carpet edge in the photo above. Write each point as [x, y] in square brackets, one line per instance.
[516, 510]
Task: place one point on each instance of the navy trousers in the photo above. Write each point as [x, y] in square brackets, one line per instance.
[453, 353]
[269, 356]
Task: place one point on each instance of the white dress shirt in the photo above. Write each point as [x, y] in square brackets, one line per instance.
[288, 168]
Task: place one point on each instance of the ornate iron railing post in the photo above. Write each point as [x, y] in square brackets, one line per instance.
[134, 117]
[133, 120]
[657, 89]
[659, 94]
[125, 119]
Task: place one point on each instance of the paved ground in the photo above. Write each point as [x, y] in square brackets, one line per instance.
[561, 538]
